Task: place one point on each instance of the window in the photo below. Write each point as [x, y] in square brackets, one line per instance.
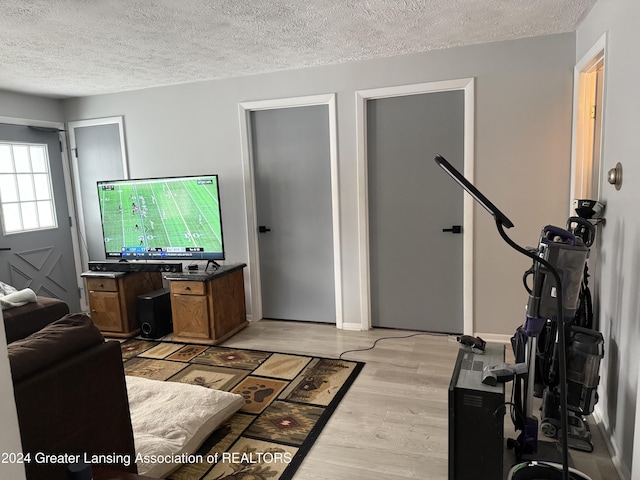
[26, 193]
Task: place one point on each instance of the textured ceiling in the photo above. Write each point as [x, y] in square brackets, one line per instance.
[65, 48]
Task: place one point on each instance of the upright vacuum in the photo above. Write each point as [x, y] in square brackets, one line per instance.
[568, 398]
[585, 350]
[557, 271]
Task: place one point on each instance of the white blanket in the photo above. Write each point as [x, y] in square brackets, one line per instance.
[172, 418]
[10, 297]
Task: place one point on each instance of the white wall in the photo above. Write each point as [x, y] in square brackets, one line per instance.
[619, 310]
[523, 128]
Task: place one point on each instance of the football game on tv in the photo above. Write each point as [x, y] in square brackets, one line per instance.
[176, 218]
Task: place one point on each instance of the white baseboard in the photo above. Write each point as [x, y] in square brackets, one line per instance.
[494, 337]
[356, 327]
[623, 471]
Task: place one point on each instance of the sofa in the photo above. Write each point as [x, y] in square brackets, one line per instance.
[24, 320]
[71, 399]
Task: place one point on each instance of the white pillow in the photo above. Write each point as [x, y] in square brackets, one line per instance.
[172, 418]
[17, 298]
[6, 289]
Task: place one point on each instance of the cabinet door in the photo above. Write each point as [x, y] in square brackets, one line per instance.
[105, 311]
[190, 316]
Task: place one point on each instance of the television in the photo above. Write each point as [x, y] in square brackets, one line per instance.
[172, 218]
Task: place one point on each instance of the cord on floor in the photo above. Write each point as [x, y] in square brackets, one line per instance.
[391, 338]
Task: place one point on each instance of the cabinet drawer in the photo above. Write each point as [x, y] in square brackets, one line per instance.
[187, 288]
[102, 284]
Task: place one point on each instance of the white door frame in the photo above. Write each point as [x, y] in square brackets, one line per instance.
[244, 110]
[596, 54]
[71, 126]
[74, 163]
[71, 205]
[362, 96]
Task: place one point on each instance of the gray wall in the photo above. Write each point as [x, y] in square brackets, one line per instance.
[523, 128]
[29, 107]
[619, 310]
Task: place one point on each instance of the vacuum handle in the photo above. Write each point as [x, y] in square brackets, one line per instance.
[584, 229]
[559, 232]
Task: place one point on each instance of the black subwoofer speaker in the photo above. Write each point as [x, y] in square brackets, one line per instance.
[154, 313]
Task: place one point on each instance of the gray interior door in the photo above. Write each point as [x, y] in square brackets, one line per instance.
[292, 172]
[416, 268]
[98, 155]
[42, 260]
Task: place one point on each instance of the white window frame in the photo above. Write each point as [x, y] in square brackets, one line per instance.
[20, 202]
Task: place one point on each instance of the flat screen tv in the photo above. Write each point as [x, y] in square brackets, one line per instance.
[173, 218]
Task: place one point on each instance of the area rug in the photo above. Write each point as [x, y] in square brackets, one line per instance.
[288, 401]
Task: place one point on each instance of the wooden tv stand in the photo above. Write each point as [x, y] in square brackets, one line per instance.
[208, 306]
[112, 299]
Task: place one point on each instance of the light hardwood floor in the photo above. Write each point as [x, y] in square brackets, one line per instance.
[393, 422]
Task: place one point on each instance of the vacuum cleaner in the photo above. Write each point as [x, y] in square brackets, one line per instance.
[558, 266]
[583, 347]
[585, 350]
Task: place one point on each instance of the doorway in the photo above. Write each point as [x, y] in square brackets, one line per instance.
[290, 162]
[589, 106]
[411, 295]
[586, 162]
[97, 153]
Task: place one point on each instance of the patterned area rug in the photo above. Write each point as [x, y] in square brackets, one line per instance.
[288, 400]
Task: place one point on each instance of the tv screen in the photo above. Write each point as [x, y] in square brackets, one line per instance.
[173, 218]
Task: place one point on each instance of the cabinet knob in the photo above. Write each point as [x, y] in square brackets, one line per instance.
[186, 289]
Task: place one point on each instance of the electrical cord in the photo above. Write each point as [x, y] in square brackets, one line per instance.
[518, 343]
[548, 366]
[390, 338]
[515, 407]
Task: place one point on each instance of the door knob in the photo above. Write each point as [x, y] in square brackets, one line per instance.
[614, 176]
[453, 229]
[263, 229]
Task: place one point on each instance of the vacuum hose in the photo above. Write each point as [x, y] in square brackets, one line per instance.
[562, 348]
